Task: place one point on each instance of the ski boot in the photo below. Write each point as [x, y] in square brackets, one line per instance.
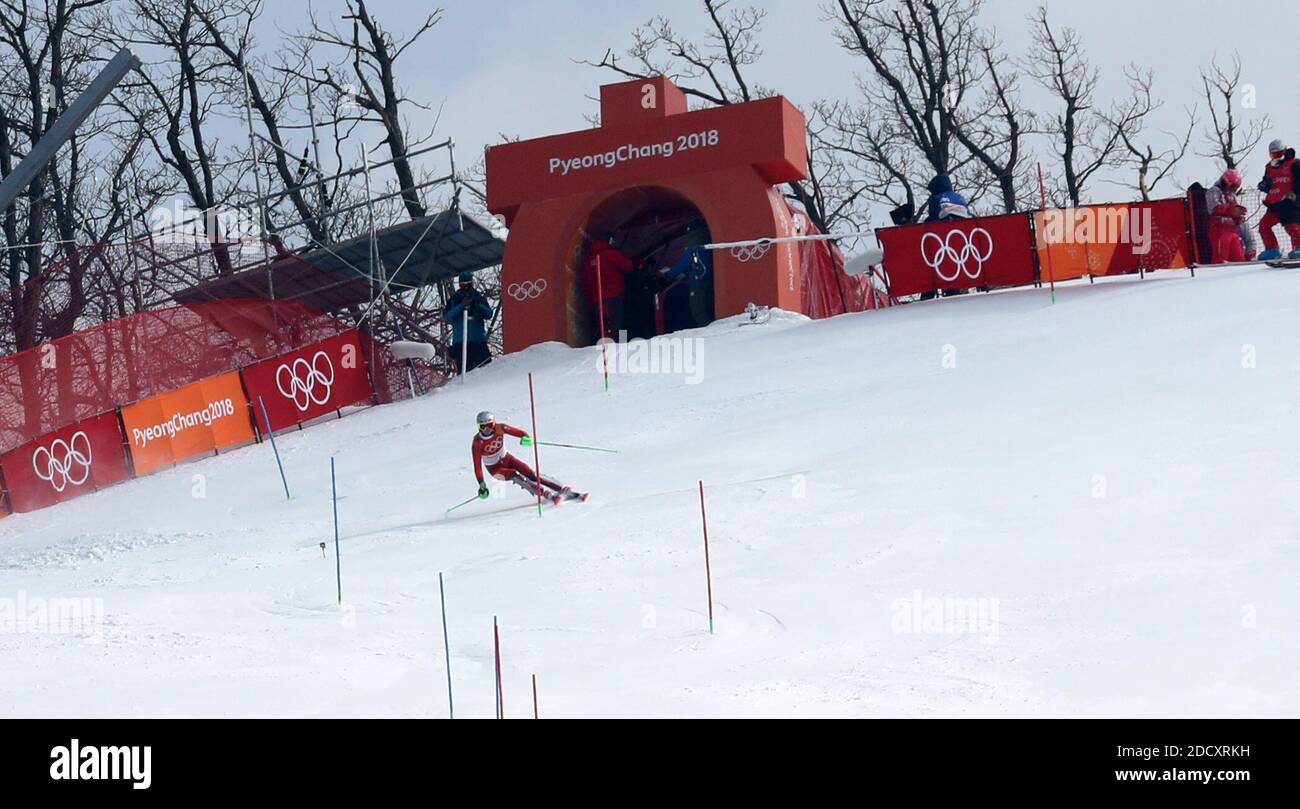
[569, 494]
[1270, 255]
[1293, 255]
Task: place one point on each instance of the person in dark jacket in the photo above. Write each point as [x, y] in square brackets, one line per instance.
[614, 265]
[1280, 185]
[689, 302]
[468, 309]
[944, 203]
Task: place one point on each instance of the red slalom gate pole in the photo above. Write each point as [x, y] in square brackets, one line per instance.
[496, 644]
[1051, 274]
[600, 308]
[537, 458]
[535, 716]
[708, 574]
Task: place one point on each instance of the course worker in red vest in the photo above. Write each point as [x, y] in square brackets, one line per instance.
[1280, 184]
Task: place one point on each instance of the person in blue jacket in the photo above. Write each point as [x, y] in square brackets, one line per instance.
[689, 302]
[469, 300]
[945, 204]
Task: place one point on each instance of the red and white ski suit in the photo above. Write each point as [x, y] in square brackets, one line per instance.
[491, 452]
[1226, 231]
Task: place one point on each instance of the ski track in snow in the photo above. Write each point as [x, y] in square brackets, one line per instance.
[1108, 473]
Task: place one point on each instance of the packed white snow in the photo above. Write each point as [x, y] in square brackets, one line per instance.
[978, 506]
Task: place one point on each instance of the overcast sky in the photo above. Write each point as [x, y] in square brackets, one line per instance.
[509, 67]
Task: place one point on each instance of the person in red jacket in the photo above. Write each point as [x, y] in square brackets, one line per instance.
[489, 449]
[614, 264]
[1226, 218]
[1280, 184]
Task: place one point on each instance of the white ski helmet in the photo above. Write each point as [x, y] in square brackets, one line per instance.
[486, 417]
[1277, 145]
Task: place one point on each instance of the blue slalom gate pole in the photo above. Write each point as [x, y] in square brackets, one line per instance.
[338, 563]
[446, 645]
[271, 434]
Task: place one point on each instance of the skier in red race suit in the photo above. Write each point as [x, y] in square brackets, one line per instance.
[1280, 184]
[1227, 236]
[489, 449]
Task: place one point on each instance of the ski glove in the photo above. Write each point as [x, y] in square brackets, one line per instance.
[526, 441]
[482, 491]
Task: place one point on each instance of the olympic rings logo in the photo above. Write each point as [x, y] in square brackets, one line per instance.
[959, 249]
[527, 290]
[751, 252]
[306, 383]
[64, 463]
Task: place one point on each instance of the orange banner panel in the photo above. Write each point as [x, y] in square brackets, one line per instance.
[203, 417]
[1062, 254]
[237, 428]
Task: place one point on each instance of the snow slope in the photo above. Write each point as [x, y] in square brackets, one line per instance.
[1106, 481]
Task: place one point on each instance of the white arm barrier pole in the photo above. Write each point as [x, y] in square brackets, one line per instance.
[820, 237]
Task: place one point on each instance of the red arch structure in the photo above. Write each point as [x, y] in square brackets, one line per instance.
[724, 162]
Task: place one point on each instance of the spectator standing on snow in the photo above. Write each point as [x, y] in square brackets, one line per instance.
[1280, 183]
[469, 300]
[1230, 239]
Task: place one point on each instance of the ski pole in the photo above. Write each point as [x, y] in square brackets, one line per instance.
[466, 503]
[574, 446]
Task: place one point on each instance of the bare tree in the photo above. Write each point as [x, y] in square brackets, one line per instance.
[365, 77]
[883, 162]
[1150, 166]
[940, 98]
[1088, 141]
[713, 71]
[173, 99]
[1229, 138]
[48, 55]
[228, 24]
[919, 51]
[995, 128]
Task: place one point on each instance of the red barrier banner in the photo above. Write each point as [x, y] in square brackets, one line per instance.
[1165, 238]
[991, 251]
[203, 417]
[67, 463]
[310, 382]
